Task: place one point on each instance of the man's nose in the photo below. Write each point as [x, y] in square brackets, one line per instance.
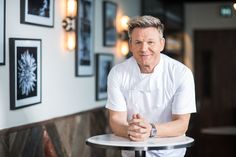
[144, 46]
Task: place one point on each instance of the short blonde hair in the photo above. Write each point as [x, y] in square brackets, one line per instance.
[144, 22]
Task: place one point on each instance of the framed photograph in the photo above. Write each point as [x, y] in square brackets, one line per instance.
[2, 32]
[109, 23]
[84, 38]
[37, 12]
[25, 72]
[104, 63]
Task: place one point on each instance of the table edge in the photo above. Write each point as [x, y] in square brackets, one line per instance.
[140, 148]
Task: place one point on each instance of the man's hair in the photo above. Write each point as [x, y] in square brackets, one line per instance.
[144, 22]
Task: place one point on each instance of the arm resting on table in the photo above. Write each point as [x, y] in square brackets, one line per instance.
[118, 123]
[177, 127]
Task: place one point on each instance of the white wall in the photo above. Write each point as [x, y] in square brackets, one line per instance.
[203, 16]
[62, 92]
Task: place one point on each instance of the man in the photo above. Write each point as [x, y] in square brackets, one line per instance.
[150, 95]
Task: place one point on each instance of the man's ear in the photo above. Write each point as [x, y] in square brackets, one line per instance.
[130, 45]
[162, 41]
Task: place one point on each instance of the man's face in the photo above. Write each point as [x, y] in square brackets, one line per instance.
[146, 45]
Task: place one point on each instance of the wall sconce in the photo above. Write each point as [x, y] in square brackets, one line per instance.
[124, 48]
[123, 36]
[69, 24]
[123, 21]
[234, 5]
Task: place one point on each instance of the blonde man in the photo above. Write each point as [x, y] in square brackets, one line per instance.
[150, 95]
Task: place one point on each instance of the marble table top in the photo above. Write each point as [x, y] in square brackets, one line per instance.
[116, 142]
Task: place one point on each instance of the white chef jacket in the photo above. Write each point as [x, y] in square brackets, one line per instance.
[156, 96]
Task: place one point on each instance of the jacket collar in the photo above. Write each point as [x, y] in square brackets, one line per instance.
[149, 83]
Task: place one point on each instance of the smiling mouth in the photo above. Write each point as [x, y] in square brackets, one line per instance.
[146, 55]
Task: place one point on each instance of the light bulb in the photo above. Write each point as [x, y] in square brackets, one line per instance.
[70, 41]
[71, 8]
[124, 20]
[124, 48]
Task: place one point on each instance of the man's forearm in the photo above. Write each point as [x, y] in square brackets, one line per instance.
[118, 123]
[119, 129]
[177, 127]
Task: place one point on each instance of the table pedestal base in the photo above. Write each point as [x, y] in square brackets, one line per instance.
[140, 153]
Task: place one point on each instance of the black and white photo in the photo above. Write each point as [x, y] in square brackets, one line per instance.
[109, 23]
[25, 72]
[104, 64]
[37, 12]
[84, 46]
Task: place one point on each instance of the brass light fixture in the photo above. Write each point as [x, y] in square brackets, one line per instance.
[69, 24]
[123, 36]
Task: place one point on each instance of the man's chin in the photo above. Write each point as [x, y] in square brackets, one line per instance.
[145, 64]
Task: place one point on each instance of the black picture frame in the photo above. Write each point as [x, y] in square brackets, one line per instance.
[2, 32]
[25, 72]
[84, 63]
[37, 12]
[104, 63]
[109, 23]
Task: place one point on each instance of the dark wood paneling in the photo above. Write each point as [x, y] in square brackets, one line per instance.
[61, 137]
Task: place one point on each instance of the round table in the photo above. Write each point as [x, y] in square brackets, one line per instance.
[110, 141]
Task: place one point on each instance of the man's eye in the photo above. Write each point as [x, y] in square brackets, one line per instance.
[137, 43]
[150, 43]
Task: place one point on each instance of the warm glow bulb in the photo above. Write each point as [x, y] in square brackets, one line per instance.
[124, 48]
[70, 41]
[234, 6]
[71, 8]
[124, 20]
